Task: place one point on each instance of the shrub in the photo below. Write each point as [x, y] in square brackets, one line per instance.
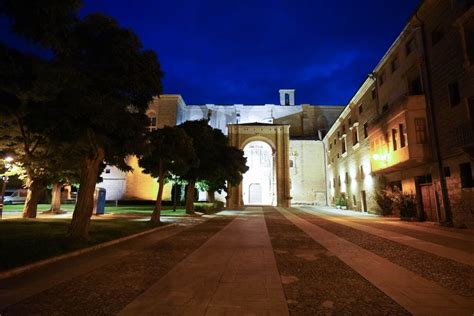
[209, 208]
[341, 200]
[386, 200]
[407, 205]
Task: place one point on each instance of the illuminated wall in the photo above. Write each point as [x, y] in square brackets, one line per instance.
[307, 172]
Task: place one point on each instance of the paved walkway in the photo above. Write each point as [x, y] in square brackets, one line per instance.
[439, 250]
[233, 270]
[418, 295]
[234, 273]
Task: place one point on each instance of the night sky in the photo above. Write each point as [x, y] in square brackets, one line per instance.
[227, 52]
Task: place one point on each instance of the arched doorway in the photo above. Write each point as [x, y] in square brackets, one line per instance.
[267, 148]
[258, 184]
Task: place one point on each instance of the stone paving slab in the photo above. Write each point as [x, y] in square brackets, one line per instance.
[439, 250]
[233, 273]
[426, 227]
[418, 295]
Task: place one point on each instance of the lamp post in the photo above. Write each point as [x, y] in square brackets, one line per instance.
[7, 162]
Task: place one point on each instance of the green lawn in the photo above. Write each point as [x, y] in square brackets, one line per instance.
[26, 241]
[109, 209]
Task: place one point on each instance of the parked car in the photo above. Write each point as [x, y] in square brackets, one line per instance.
[15, 196]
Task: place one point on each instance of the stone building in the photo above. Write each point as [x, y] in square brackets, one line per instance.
[410, 122]
[284, 149]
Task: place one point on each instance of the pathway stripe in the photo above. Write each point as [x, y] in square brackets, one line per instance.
[416, 294]
[402, 224]
[439, 250]
[234, 272]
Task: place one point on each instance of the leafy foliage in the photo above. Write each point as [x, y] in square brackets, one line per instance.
[173, 147]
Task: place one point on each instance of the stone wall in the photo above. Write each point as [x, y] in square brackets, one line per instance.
[307, 174]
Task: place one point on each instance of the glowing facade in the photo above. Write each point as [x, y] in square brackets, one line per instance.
[265, 183]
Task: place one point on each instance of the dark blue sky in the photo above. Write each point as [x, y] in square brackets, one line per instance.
[243, 51]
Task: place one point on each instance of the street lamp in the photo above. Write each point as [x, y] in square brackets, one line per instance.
[7, 162]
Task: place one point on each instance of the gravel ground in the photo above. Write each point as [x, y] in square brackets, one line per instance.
[464, 245]
[447, 273]
[107, 290]
[318, 283]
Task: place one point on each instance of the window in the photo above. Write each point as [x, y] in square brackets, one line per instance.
[436, 36]
[394, 139]
[334, 182]
[374, 94]
[403, 135]
[447, 172]
[415, 87]
[385, 108]
[381, 78]
[107, 171]
[466, 175]
[330, 146]
[335, 139]
[347, 178]
[152, 121]
[291, 164]
[470, 104]
[469, 39]
[394, 64]
[287, 99]
[355, 136]
[362, 173]
[350, 121]
[366, 130]
[343, 145]
[420, 130]
[454, 94]
[361, 109]
[410, 46]
[339, 180]
[343, 129]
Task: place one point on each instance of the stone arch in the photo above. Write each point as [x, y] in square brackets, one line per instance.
[258, 138]
[277, 137]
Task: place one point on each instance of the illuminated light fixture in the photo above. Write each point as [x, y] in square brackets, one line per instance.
[9, 159]
[376, 156]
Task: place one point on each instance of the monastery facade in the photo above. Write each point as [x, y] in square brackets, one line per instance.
[302, 128]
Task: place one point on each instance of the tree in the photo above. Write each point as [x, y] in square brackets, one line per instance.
[101, 110]
[66, 170]
[217, 161]
[26, 87]
[28, 84]
[45, 22]
[206, 153]
[229, 168]
[169, 153]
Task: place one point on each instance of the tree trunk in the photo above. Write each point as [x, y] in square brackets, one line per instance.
[190, 197]
[56, 198]
[211, 196]
[155, 217]
[175, 196]
[35, 190]
[79, 227]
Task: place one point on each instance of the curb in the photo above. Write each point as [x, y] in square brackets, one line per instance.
[34, 265]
